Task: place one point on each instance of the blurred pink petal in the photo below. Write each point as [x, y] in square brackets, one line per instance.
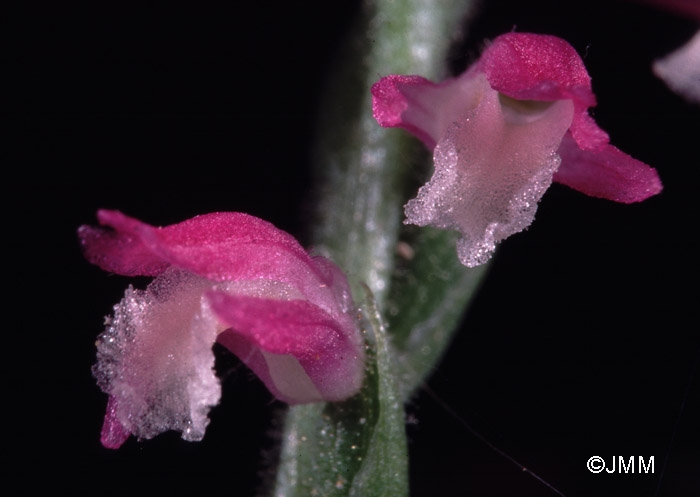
[680, 69]
[226, 277]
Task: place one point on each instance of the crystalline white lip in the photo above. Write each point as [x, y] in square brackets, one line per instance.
[491, 169]
[155, 357]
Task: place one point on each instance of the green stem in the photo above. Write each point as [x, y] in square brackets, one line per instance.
[367, 173]
[364, 170]
[358, 447]
[430, 293]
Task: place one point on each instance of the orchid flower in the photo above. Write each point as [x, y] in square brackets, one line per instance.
[502, 131]
[224, 277]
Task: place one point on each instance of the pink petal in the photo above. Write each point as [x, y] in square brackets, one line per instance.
[523, 66]
[408, 102]
[114, 433]
[423, 108]
[389, 102]
[606, 173]
[530, 66]
[211, 245]
[220, 247]
[266, 333]
[122, 251]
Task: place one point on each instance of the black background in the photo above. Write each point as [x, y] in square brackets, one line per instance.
[583, 341]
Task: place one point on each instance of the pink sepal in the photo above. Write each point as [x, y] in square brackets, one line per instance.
[262, 331]
[215, 246]
[114, 434]
[392, 96]
[529, 66]
[606, 172]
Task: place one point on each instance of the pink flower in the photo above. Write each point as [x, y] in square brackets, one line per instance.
[225, 277]
[502, 132]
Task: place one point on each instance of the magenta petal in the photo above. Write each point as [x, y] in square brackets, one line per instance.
[394, 96]
[606, 173]
[389, 101]
[212, 245]
[122, 250]
[114, 434]
[281, 340]
[224, 246]
[423, 108]
[221, 246]
[530, 66]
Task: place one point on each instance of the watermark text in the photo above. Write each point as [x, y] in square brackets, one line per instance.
[621, 464]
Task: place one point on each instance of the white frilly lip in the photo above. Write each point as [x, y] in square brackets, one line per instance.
[155, 360]
[491, 169]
